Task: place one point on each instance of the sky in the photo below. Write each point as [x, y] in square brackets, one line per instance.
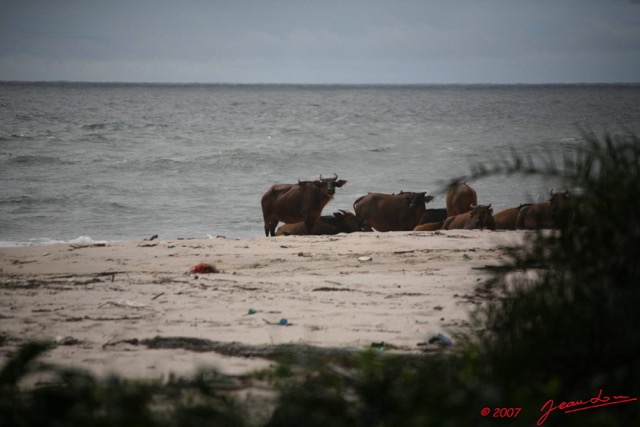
[321, 41]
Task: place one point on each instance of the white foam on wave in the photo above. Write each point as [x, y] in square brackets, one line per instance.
[81, 240]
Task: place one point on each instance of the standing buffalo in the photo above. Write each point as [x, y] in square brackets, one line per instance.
[392, 212]
[540, 215]
[506, 219]
[480, 216]
[460, 198]
[339, 222]
[301, 202]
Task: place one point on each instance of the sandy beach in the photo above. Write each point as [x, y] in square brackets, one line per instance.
[103, 304]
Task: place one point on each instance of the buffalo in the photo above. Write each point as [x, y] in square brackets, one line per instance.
[540, 215]
[301, 202]
[392, 212]
[460, 198]
[506, 219]
[432, 220]
[479, 217]
[434, 215]
[429, 226]
[339, 222]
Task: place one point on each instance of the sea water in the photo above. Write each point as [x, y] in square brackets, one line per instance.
[100, 162]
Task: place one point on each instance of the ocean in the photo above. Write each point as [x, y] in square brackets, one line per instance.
[85, 162]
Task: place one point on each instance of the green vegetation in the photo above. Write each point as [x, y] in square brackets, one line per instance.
[564, 328]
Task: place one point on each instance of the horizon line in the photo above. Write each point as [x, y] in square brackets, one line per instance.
[107, 82]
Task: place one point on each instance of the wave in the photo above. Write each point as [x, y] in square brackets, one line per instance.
[104, 126]
[42, 241]
[30, 159]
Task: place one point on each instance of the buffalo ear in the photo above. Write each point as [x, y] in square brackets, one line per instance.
[340, 182]
[427, 199]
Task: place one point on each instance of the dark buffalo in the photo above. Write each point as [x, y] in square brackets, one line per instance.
[540, 215]
[506, 219]
[339, 222]
[479, 217]
[460, 198]
[392, 212]
[434, 215]
[301, 202]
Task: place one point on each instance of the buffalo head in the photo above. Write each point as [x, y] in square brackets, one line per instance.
[332, 183]
[558, 197]
[481, 216]
[418, 200]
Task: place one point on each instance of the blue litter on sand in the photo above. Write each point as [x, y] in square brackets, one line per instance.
[442, 339]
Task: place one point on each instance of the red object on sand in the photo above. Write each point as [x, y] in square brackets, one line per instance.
[203, 267]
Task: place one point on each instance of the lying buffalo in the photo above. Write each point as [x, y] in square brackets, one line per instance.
[301, 202]
[392, 212]
[429, 226]
[479, 217]
[540, 215]
[339, 222]
[506, 219]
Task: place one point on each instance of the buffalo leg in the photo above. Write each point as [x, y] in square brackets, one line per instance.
[308, 224]
[270, 228]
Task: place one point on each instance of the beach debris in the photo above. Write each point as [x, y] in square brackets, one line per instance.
[157, 295]
[251, 311]
[154, 237]
[365, 258]
[378, 345]
[18, 261]
[331, 289]
[282, 322]
[83, 246]
[68, 340]
[124, 303]
[441, 339]
[382, 346]
[204, 268]
[109, 318]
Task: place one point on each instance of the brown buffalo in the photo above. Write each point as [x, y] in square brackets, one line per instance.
[480, 216]
[506, 219]
[301, 202]
[392, 212]
[339, 222]
[540, 215]
[460, 198]
[429, 226]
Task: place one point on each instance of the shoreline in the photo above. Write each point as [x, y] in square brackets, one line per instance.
[349, 291]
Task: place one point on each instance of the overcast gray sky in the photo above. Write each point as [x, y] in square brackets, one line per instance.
[321, 41]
